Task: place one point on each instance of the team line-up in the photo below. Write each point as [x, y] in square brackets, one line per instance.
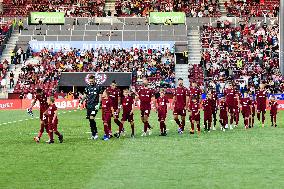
[231, 104]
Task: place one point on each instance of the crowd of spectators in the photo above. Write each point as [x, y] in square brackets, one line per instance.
[71, 8]
[3, 72]
[247, 55]
[5, 33]
[192, 8]
[156, 64]
[253, 8]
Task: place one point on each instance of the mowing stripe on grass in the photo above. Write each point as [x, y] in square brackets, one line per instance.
[32, 118]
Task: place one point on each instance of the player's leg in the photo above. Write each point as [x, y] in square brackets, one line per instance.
[205, 124]
[198, 126]
[263, 117]
[106, 130]
[275, 123]
[42, 127]
[191, 119]
[176, 114]
[271, 119]
[93, 125]
[252, 119]
[221, 124]
[55, 131]
[130, 119]
[146, 123]
[132, 129]
[50, 131]
[209, 122]
[232, 115]
[237, 117]
[183, 115]
[161, 126]
[258, 113]
[214, 119]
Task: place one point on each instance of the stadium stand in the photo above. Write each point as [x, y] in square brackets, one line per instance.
[246, 54]
[5, 33]
[191, 8]
[71, 8]
[250, 8]
[157, 65]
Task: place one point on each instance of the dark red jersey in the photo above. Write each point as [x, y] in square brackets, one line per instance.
[162, 103]
[223, 107]
[51, 112]
[180, 94]
[114, 95]
[194, 107]
[253, 105]
[207, 106]
[230, 95]
[274, 107]
[214, 100]
[145, 96]
[246, 104]
[237, 99]
[42, 101]
[106, 105]
[194, 92]
[261, 98]
[127, 103]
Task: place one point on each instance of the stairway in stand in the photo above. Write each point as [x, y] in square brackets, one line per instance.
[195, 71]
[6, 55]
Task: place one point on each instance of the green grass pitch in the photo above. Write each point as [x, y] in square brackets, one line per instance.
[239, 158]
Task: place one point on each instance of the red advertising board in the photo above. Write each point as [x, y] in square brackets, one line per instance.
[10, 104]
[68, 104]
[60, 103]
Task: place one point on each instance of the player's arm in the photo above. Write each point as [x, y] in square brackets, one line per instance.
[133, 106]
[99, 103]
[154, 101]
[119, 102]
[32, 104]
[186, 102]
[198, 111]
[55, 116]
[112, 110]
[174, 101]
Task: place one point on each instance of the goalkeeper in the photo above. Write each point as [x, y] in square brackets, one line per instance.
[92, 96]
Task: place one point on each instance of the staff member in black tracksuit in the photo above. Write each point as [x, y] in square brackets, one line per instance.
[92, 95]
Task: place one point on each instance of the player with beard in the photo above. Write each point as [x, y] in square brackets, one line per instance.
[40, 96]
[180, 102]
[223, 113]
[114, 94]
[237, 98]
[253, 108]
[261, 98]
[92, 96]
[146, 96]
[214, 105]
[230, 95]
[246, 109]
